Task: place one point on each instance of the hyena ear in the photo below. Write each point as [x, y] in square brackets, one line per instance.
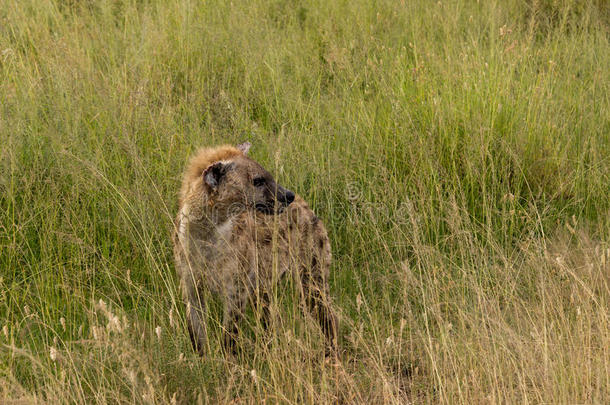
[214, 173]
[244, 147]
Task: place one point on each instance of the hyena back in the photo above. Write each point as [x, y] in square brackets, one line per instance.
[237, 233]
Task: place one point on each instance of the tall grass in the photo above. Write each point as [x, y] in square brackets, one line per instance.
[458, 152]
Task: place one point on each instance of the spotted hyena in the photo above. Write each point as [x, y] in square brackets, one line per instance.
[237, 233]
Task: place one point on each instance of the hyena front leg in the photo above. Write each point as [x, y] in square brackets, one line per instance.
[317, 298]
[261, 302]
[266, 315]
[233, 312]
[195, 315]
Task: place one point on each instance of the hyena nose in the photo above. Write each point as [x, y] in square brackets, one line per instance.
[285, 196]
[289, 196]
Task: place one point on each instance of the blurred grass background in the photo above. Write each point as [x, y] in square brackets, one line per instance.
[458, 152]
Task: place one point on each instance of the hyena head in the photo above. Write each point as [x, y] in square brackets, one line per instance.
[240, 183]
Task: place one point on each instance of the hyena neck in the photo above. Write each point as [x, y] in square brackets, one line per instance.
[207, 222]
[196, 223]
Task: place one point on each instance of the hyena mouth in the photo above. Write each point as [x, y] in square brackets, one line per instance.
[270, 209]
[265, 208]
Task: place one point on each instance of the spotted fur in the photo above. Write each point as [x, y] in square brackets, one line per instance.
[236, 240]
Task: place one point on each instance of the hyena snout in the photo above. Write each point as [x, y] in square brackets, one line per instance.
[277, 199]
[284, 196]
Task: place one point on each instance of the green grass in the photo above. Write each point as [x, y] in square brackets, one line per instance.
[458, 152]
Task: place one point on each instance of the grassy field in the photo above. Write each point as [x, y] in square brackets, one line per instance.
[458, 152]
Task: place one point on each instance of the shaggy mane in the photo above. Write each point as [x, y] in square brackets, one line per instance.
[202, 159]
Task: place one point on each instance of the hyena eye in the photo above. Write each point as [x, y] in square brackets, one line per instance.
[259, 181]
